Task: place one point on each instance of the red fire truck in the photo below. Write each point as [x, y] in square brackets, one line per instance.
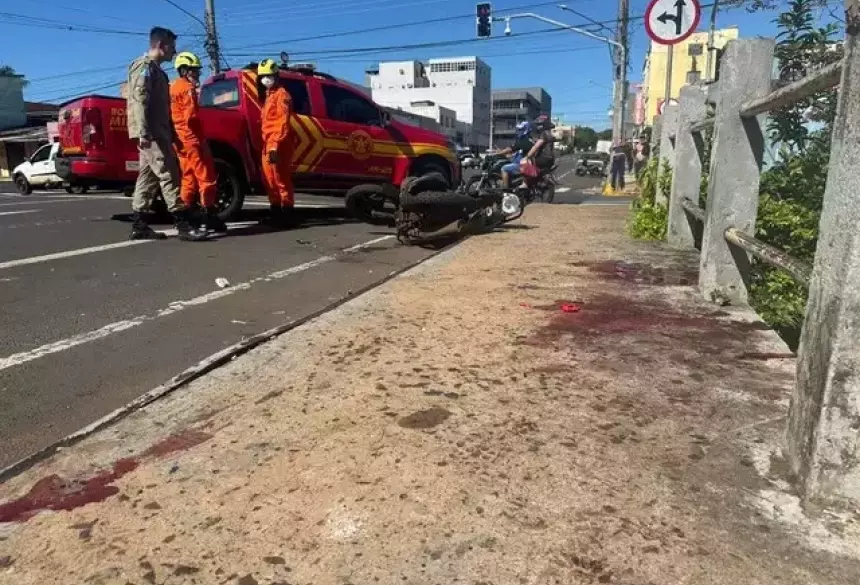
[342, 139]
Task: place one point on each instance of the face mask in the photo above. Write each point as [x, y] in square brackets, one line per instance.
[268, 82]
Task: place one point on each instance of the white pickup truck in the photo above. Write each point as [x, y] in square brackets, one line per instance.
[40, 171]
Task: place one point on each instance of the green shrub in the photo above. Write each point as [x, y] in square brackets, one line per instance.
[649, 219]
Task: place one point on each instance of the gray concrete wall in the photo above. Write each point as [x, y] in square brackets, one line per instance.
[736, 158]
[823, 436]
[687, 172]
[668, 127]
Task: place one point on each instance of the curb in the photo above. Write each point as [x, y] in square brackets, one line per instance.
[200, 369]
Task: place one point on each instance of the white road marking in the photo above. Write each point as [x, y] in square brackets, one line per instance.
[59, 199]
[299, 205]
[174, 307]
[564, 175]
[102, 248]
[69, 253]
[562, 190]
[19, 212]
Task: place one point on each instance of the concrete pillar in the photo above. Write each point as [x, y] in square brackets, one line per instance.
[736, 159]
[823, 437]
[687, 171]
[656, 135]
[669, 127]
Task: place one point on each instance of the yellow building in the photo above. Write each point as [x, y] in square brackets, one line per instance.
[689, 63]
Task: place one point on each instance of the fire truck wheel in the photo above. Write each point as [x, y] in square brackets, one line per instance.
[230, 193]
[428, 168]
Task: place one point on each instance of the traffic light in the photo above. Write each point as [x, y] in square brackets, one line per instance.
[485, 19]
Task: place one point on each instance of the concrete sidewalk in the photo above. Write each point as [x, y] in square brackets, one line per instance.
[551, 404]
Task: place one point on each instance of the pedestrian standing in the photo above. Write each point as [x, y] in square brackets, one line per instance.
[195, 158]
[150, 127]
[617, 167]
[277, 146]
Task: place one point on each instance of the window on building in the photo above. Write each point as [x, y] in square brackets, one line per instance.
[695, 49]
[694, 77]
[346, 106]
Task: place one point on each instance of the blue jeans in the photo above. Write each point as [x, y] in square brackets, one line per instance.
[617, 169]
[513, 167]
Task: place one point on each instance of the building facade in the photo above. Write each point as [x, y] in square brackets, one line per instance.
[24, 126]
[689, 66]
[458, 84]
[512, 106]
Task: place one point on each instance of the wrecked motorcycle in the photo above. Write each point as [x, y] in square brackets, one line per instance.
[425, 208]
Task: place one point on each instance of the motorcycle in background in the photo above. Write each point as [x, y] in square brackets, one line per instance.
[528, 189]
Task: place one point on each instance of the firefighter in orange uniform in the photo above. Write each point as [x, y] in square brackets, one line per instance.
[195, 159]
[277, 145]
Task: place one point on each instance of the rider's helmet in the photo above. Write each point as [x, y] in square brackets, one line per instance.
[523, 129]
[543, 122]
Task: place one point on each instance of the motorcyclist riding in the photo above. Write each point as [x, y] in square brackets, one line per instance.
[523, 143]
[542, 153]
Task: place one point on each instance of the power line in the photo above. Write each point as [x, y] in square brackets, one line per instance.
[26, 20]
[427, 45]
[75, 73]
[65, 98]
[83, 11]
[549, 50]
[186, 12]
[381, 28]
[316, 13]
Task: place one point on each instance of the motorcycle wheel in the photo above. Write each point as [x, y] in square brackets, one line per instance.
[548, 194]
[474, 185]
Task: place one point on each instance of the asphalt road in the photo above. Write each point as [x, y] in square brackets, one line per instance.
[91, 321]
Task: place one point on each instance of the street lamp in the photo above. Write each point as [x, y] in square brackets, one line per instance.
[619, 97]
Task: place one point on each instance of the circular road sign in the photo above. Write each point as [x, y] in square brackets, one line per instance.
[671, 21]
[661, 105]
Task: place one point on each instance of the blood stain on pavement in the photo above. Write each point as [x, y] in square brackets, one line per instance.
[642, 273]
[56, 493]
[181, 441]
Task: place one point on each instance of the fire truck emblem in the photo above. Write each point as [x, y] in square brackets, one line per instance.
[360, 144]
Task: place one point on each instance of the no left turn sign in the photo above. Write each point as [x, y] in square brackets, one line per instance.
[671, 21]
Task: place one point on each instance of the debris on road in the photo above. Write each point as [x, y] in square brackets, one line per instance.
[222, 282]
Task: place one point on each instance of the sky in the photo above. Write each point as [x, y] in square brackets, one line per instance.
[575, 70]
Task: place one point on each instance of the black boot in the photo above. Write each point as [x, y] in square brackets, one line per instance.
[185, 231]
[275, 217]
[212, 223]
[140, 230]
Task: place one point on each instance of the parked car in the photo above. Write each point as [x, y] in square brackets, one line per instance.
[40, 171]
[342, 139]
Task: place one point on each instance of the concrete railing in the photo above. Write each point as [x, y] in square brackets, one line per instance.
[823, 430]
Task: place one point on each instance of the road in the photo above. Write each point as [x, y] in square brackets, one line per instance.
[92, 321]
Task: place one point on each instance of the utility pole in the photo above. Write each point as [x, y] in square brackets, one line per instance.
[711, 48]
[620, 72]
[620, 61]
[212, 38]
